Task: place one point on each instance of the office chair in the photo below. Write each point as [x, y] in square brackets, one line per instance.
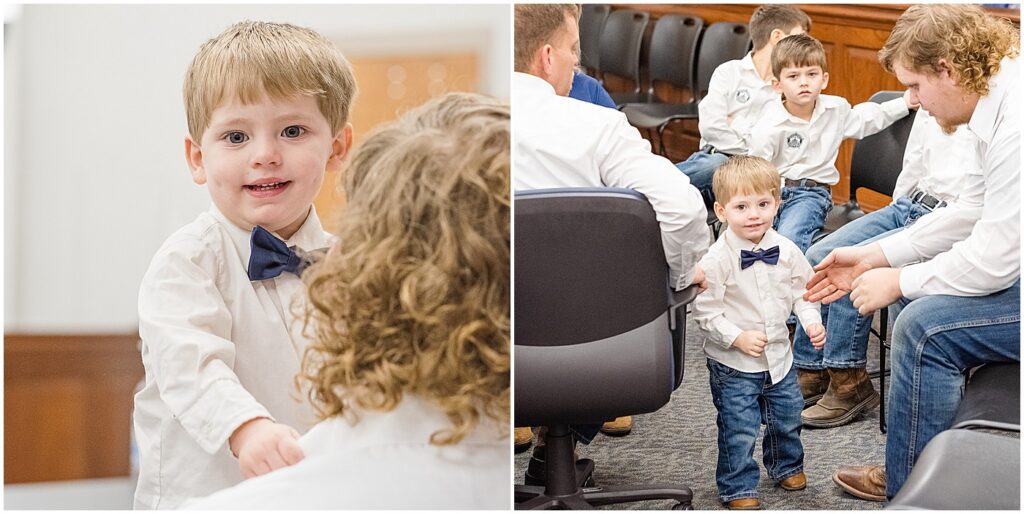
[620, 47]
[598, 332]
[991, 398]
[721, 42]
[671, 58]
[592, 21]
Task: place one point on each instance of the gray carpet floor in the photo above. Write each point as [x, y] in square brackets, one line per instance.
[677, 445]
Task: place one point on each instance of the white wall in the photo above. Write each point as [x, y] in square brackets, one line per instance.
[94, 174]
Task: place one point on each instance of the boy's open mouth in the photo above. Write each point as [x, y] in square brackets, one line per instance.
[267, 187]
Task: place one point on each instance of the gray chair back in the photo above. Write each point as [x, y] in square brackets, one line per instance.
[592, 338]
[878, 159]
[592, 21]
[722, 42]
[620, 44]
[673, 53]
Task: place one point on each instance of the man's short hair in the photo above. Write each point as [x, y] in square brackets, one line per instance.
[769, 17]
[746, 174]
[971, 41]
[798, 51]
[537, 25]
[253, 58]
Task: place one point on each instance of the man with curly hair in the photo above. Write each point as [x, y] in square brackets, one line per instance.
[953, 278]
[409, 364]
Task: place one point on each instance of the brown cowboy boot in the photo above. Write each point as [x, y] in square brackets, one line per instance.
[849, 393]
[813, 384]
[864, 482]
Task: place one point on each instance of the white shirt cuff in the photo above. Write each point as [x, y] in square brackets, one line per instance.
[912, 279]
[898, 250]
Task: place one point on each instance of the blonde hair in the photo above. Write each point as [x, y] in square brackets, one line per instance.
[254, 58]
[797, 51]
[746, 174]
[971, 41]
[415, 299]
[769, 17]
[537, 25]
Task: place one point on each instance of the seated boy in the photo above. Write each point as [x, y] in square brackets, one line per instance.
[941, 174]
[267, 107]
[800, 133]
[737, 94]
[755, 279]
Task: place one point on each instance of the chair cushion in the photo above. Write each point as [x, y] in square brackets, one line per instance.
[654, 114]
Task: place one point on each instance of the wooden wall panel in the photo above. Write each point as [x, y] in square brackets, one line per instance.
[67, 405]
[852, 36]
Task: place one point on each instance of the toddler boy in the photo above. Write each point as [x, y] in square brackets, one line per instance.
[267, 107]
[800, 133]
[755, 279]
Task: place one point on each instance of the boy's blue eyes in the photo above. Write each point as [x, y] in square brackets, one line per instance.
[237, 138]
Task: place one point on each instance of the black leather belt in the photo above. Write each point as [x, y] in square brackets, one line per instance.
[926, 200]
[712, 150]
[806, 183]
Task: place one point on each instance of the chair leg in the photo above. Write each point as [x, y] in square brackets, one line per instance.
[883, 329]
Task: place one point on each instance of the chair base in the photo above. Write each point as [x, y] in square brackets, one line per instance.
[566, 480]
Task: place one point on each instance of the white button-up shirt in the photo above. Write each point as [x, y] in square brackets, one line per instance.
[984, 257]
[736, 92]
[562, 142]
[759, 297]
[940, 164]
[808, 149]
[218, 350]
[385, 461]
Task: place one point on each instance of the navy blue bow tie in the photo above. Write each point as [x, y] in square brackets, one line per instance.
[768, 256]
[270, 256]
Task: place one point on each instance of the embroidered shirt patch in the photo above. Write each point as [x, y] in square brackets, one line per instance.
[794, 140]
[743, 96]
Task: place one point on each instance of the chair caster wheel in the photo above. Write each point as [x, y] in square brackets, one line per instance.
[682, 506]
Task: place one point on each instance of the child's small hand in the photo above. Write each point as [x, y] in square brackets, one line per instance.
[263, 446]
[911, 100]
[816, 332]
[699, 279]
[751, 342]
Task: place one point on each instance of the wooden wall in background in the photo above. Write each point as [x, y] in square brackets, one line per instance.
[68, 405]
[852, 36]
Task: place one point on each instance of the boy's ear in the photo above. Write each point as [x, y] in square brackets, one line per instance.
[720, 212]
[776, 85]
[339, 147]
[194, 158]
[824, 77]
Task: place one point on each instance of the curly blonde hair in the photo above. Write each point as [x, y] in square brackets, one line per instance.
[415, 298]
[971, 41]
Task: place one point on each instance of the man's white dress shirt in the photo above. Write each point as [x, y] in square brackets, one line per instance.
[983, 257]
[562, 142]
[941, 164]
[737, 93]
[218, 349]
[384, 461]
[803, 149]
[759, 297]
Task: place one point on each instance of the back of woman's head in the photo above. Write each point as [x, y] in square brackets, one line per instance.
[415, 299]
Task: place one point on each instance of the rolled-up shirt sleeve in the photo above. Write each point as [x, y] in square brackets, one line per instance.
[185, 327]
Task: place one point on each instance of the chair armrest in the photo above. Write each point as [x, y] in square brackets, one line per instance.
[681, 299]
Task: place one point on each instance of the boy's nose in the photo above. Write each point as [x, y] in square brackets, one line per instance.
[266, 153]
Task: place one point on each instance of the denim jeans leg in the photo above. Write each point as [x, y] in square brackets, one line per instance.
[781, 404]
[700, 168]
[802, 214]
[735, 395]
[847, 331]
[936, 339]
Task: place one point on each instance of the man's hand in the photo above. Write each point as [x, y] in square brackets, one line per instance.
[699, 279]
[834, 276]
[263, 446]
[751, 342]
[911, 100]
[876, 289]
[816, 332]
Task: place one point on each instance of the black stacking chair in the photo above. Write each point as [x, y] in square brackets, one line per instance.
[620, 47]
[592, 21]
[876, 164]
[671, 58]
[964, 470]
[598, 331]
[991, 398]
[721, 42]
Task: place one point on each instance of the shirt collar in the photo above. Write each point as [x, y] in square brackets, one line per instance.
[524, 82]
[983, 121]
[737, 243]
[310, 236]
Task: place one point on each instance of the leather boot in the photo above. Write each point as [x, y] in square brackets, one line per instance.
[523, 438]
[813, 384]
[849, 393]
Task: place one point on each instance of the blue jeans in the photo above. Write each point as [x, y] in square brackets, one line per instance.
[802, 214]
[745, 401]
[700, 168]
[936, 339]
[847, 330]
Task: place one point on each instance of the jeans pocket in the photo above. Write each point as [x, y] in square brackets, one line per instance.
[720, 372]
